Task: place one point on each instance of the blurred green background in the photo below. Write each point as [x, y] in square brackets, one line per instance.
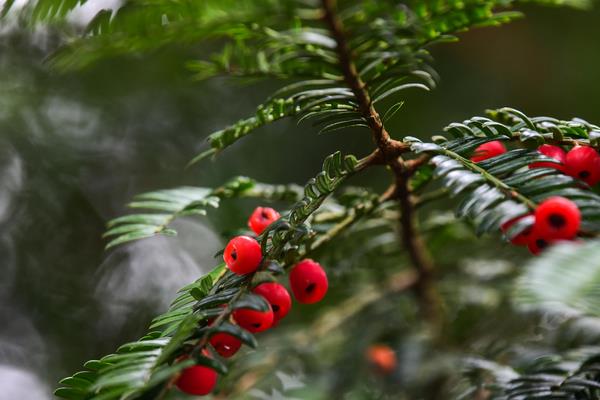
[75, 147]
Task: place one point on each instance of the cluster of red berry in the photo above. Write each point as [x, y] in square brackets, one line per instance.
[556, 218]
[581, 162]
[243, 255]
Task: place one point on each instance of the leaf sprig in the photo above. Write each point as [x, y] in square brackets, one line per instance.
[502, 188]
[385, 53]
[170, 204]
[149, 365]
[570, 376]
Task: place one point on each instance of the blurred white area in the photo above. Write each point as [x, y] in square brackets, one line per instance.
[21, 384]
[70, 118]
[64, 117]
[80, 15]
[289, 382]
[18, 4]
[11, 183]
[11, 178]
[273, 395]
[84, 13]
[20, 342]
[151, 271]
[22, 351]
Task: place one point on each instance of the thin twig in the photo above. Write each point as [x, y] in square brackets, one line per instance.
[354, 216]
[507, 190]
[429, 299]
[414, 164]
[375, 158]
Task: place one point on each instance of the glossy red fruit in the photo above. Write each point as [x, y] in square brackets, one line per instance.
[277, 296]
[523, 238]
[308, 281]
[554, 152]
[261, 218]
[225, 344]
[488, 150]
[583, 162]
[242, 255]
[557, 218]
[254, 321]
[197, 380]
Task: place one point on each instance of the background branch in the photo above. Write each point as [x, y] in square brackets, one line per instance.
[390, 150]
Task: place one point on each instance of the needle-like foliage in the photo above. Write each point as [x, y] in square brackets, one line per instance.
[340, 66]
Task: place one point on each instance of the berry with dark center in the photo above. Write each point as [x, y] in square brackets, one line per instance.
[488, 150]
[557, 218]
[538, 244]
[583, 162]
[277, 296]
[225, 344]
[553, 152]
[197, 380]
[242, 255]
[261, 218]
[254, 321]
[308, 281]
[523, 237]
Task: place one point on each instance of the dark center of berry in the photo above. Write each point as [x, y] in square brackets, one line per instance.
[264, 215]
[557, 221]
[234, 255]
[275, 307]
[541, 243]
[310, 288]
[256, 324]
[584, 174]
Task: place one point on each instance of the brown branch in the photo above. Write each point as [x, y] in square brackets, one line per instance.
[430, 302]
[390, 151]
[375, 158]
[389, 147]
[414, 164]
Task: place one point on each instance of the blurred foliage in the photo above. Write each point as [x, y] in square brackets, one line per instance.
[78, 145]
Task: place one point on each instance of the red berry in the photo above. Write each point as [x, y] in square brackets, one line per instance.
[488, 150]
[261, 218]
[382, 357]
[583, 162]
[557, 218]
[252, 320]
[225, 344]
[308, 281]
[522, 238]
[277, 296]
[554, 152]
[242, 255]
[197, 380]
[537, 244]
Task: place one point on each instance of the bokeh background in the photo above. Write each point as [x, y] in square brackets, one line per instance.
[76, 146]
